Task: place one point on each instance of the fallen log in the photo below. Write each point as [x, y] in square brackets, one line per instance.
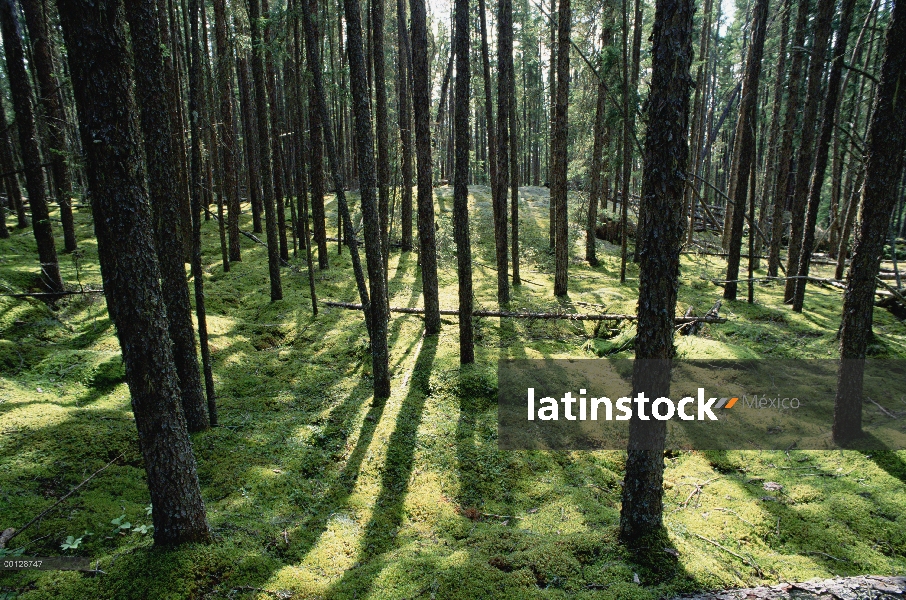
[51, 294]
[529, 315]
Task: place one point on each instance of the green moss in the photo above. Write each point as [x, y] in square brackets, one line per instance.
[315, 490]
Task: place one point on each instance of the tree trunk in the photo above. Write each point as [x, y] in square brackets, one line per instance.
[488, 95]
[374, 255]
[823, 24]
[404, 82]
[20, 89]
[302, 153]
[320, 98]
[504, 105]
[54, 118]
[626, 151]
[514, 170]
[316, 158]
[784, 176]
[229, 184]
[768, 186]
[380, 114]
[552, 84]
[828, 126]
[421, 97]
[560, 150]
[14, 192]
[460, 181]
[666, 154]
[250, 141]
[264, 151]
[165, 195]
[99, 60]
[195, 115]
[748, 113]
[274, 131]
[601, 140]
[884, 164]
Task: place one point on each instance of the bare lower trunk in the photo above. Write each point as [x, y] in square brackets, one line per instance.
[20, 89]
[460, 184]
[54, 118]
[421, 97]
[99, 59]
[666, 150]
[560, 150]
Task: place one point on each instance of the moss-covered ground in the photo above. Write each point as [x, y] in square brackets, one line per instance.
[313, 490]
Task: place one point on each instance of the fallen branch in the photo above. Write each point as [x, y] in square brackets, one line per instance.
[51, 294]
[58, 502]
[827, 555]
[697, 489]
[894, 291]
[883, 410]
[835, 283]
[527, 315]
[748, 561]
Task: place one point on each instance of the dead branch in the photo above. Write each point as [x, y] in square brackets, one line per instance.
[528, 315]
[58, 502]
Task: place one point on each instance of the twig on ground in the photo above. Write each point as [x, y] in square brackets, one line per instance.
[748, 561]
[58, 502]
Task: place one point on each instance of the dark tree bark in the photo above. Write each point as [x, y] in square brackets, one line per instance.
[499, 200]
[461, 183]
[316, 157]
[828, 125]
[302, 153]
[380, 114]
[818, 50]
[666, 150]
[405, 123]
[374, 255]
[552, 84]
[748, 113]
[20, 89]
[174, 67]
[884, 165]
[559, 150]
[165, 198]
[197, 184]
[784, 176]
[488, 98]
[421, 97]
[514, 177]
[54, 118]
[601, 140]
[276, 122]
[4, 231]
[768, 186]
[229, 185]
[626, 147]
[99, 61]
[314, 60]
[250, 140]
[634, 87]
[259, 77]
[14, 192]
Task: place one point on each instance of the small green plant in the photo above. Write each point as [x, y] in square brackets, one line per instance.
[149, 509]
[71, 543]
[4, 552]
[142, 529]
[121, 527]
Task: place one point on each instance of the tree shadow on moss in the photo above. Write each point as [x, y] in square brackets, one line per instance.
[388, 514]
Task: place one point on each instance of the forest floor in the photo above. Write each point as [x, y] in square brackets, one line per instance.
[314, 491]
